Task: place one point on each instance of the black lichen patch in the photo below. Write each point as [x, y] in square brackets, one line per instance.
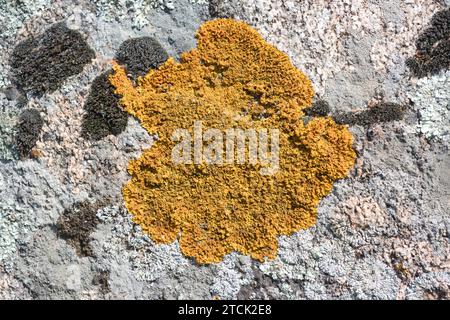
[76, 224]
[101, 279]
[433, 47]
[28, 129]
[213, 8]
[139, 55]
[320, 108]
[103, 114]
[381, 112]
[42, 64]
[218, 9]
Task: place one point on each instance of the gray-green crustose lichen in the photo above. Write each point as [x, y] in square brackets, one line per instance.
[9, 114]
[430, 98]
[41, 64]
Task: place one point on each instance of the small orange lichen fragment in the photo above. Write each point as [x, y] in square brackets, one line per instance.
[233, 79]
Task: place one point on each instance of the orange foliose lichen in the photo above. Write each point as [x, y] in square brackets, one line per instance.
[233, 79]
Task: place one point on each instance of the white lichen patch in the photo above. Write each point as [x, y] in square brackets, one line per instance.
[140, 10]
[230, 278]
[9, 232]
[8, 119]
[431, 98]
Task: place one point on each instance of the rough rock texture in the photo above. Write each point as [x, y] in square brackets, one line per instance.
[381, 233]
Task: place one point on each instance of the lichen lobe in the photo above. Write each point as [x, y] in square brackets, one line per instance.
[41, 64]
[233, 79]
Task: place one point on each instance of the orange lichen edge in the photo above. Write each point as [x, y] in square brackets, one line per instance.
[232, 79]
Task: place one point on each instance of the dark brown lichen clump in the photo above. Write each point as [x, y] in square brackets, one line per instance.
[43, 63]
[103, 114]
[319, 108]
[101, 279]
[139, 55]
[433, 47]
[27, 132]
[381, 112]
[76, 224]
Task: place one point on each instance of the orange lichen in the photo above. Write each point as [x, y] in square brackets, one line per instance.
[233, 79]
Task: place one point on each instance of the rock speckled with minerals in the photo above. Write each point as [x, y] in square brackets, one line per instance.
[381, 233]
